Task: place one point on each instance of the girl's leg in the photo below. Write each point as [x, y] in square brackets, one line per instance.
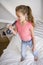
[35, 53]
[23, 50]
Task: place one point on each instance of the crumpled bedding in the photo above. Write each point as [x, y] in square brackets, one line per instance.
[12, 53]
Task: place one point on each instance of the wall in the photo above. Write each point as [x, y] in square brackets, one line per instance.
[34, 4]
[42, 9]
[4, 14]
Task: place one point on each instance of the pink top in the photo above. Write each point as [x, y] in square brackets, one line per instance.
[24, 31]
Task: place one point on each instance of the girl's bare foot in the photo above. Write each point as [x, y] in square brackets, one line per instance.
[22, 59]
[36, 58]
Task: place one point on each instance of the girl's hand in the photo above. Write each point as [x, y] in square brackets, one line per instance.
[14, 31]
[33, 49]
[10, 27]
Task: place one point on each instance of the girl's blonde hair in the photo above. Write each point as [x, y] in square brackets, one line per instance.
[26, 10]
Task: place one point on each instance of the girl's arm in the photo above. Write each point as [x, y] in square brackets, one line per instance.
[14, 30]
[33, 38]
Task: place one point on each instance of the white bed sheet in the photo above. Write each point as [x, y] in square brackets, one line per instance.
[12, 53]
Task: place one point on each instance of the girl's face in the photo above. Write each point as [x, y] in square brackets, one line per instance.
[20, 16]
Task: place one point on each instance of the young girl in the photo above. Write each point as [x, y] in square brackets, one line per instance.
[25, 28]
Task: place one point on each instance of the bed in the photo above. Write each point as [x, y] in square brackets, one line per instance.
[12, 53]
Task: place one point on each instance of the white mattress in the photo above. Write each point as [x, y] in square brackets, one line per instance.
[12, 55]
